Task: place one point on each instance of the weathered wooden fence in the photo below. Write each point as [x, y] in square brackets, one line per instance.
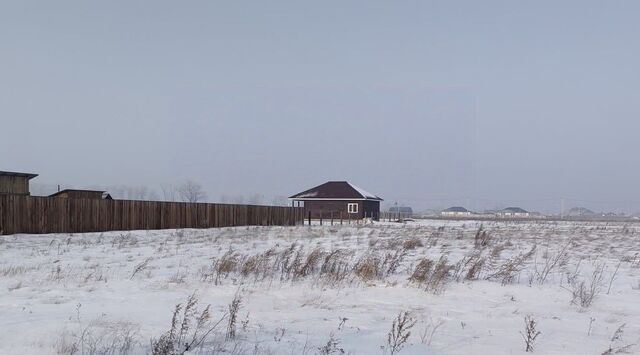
[28, 214]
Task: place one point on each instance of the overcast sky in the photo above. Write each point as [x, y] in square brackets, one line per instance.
[431, 104]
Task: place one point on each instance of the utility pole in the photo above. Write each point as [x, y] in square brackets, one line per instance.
[397, 211]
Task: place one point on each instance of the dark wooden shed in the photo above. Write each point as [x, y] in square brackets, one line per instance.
[13, 183]
[338, 199]
[88, 194]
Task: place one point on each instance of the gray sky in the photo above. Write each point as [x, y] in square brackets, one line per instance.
[431, 104]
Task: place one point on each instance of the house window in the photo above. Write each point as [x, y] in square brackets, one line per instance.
[352, 207]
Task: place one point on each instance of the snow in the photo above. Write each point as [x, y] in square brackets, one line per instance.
[308, 195]
[364, 193]
[53, 286]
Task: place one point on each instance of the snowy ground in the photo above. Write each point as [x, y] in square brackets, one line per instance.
[332, 289]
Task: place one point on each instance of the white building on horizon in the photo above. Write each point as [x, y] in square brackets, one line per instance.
[456, 211]
[513, 212]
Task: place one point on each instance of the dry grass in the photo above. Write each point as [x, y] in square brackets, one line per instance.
[400, 332]
[331, 347]
[98, 337]
[140, 267]
[16, 270]
[412, 243]
[552, 261]
[509, 270]
[190, 329]
[432, 276]
[482, 238]
[225, 265]
[584, 292]
[234, 308]
[530, 333]
[425, 258]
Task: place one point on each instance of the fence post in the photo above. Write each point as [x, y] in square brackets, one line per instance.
[309, 218]
[340, 217]
[320, 217]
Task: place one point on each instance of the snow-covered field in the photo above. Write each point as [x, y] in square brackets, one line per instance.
[307, 290]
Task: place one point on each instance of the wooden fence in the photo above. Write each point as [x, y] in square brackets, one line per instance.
[28, 214]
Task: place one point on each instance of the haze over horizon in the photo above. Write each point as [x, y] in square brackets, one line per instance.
[430, 104]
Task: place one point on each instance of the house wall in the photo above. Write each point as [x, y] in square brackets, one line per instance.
[338, 208]
[18, 185]
[324, 209]
[455, 214]
[372, 209]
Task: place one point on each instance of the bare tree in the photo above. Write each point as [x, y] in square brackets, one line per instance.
[153, 196]
[137, 192]
[237, 199]
[117, 191]
[129, 192]
[169, 191]
[255, 199]
[191, 191]
[280, 201]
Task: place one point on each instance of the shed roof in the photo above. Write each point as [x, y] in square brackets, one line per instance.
[334, 190]
[13, 173]
[103, 194]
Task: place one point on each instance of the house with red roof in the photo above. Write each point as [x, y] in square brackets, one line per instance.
[339, 200]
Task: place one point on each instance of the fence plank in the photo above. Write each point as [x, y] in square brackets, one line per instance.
[29, 214]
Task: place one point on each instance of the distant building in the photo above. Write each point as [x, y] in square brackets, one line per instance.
[513, 212]
[12, 183]
[87, 194]
[455, 212]
[338, 199]
[580, 212]
[401, 211]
